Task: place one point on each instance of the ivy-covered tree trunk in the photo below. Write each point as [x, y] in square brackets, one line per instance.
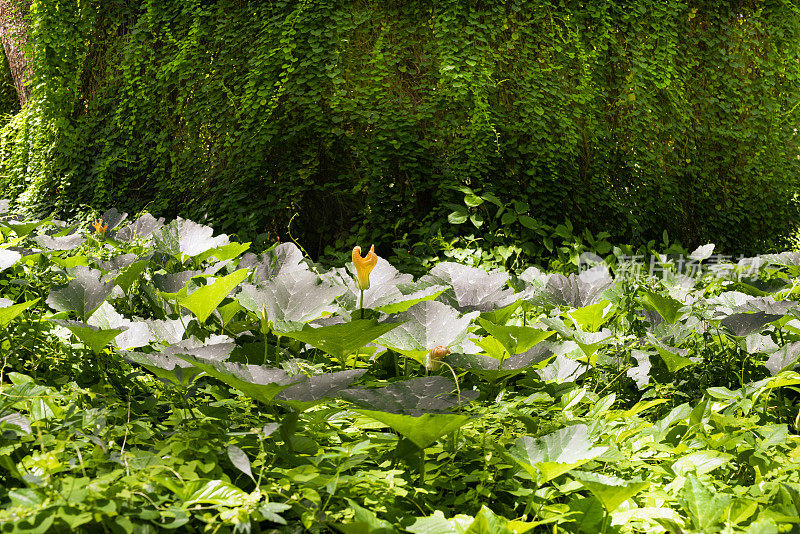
[14, 34]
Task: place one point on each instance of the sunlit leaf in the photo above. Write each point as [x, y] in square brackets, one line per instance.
[204, 300]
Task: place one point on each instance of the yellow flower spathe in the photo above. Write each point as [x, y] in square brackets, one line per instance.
[364, 266]
[100, 228]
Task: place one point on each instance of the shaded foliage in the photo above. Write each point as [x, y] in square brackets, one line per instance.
[363, 118]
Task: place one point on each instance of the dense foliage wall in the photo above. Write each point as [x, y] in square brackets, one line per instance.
[363, 117]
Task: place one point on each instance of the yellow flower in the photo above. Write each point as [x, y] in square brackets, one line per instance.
[364, 266]
[434, 360]
[100, 228]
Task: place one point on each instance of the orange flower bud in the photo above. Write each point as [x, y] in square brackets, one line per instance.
[434, 359]
[364, 266]
[100, 228]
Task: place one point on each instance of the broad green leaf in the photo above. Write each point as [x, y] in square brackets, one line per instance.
[667, 307]
[91, 336]
[547, 457]
[423, 429]
[130, 274]
[204, 491]
[83, 294]
[204, 300]
[590, 318]
[9, 313]
[225, 252]
[438, 524]
[365, 522]
[700, 462]
[515, 339]
[339, 340]
[486, 522]
[673, 357]
[610, 490]
[705, 506]
[25, 228]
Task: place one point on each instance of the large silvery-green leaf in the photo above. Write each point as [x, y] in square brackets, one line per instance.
[213, 348]
[67, 242]
[473, 289]
[174, 282]
[744, 324]
[315, 389]
[342, 339]
[768, 305]
[9, 311]
[425, 326]
[93, 337]
[415, 408]
[167, 367]
[170, 367]
[204, 300]
[547, 457]
[83, 294]
[293, 296]
[610, 490]
[115, 263]
[562, 370]
[167, 331]
[141, 228]
[784, 359]
[578, 291]
[415, 397]
[135, 333]
[8, 258]
[184, 238]
[284, 257]
[259, 382]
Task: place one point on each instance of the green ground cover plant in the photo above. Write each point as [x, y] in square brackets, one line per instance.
[156, 375]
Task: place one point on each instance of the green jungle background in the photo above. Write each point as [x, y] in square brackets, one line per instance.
[419, 126]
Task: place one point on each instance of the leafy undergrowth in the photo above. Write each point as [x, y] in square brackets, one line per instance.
[155, 376]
